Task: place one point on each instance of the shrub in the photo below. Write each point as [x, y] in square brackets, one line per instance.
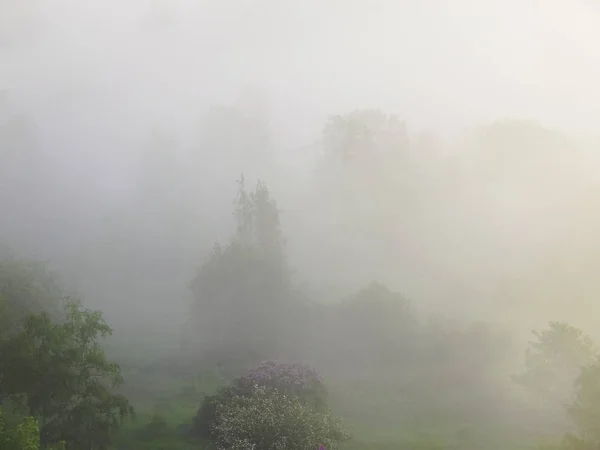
[293, 381]
[273, 420]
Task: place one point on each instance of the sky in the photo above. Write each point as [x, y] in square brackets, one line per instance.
[439, 64]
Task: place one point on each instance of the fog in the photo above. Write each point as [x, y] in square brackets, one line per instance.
[125, 125]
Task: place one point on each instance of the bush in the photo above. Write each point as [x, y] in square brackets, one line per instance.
[292, 379]
[296, 389]
[271, 419]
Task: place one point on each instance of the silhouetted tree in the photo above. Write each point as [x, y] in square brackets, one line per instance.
[242, 289]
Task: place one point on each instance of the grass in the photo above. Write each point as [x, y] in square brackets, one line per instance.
[166, 406]
[378, 416]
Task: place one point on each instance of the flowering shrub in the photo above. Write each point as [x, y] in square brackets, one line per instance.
[269, 419]
[294, 379]
[281, 396]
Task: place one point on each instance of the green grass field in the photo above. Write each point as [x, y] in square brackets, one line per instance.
[378, 416]
[165, 406]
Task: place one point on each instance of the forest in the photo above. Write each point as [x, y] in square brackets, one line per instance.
[256, 356]
[317, 225]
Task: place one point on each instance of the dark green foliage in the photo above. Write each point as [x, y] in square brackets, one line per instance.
[25, 436]
[64, 378]
[205, 418]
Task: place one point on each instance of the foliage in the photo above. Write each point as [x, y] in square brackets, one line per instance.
[26, 436]
[241, 290]
[65, 377]
[295, 380]
[565, 360]
[269, 419]
[585, 410]
[554, 361]
[375, 326]
[381, 312]
[365, 131]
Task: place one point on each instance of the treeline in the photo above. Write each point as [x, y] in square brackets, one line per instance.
[249, 306]
[247, 309]
[54, 374]
[372, 197]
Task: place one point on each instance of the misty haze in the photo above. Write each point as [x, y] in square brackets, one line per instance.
[277, 225]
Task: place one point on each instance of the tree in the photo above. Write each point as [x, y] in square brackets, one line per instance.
[257, 219]
[242, 290]
[585, 410]
[367, 131]
[554, 362]
[64, 377]
[376, 323]
[366, 179]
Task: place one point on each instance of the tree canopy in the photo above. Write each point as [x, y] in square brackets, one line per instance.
[554, 361]
[53, 367]
[242, 288]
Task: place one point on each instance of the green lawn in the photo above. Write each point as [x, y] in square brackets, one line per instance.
[377, 416]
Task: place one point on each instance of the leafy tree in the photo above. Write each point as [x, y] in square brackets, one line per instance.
[380, 310]
[365, 172]
[366, 131]
[242, 289]
[585, 410]
[374, 328]
[26, 436]
[61, 372]
[269, 419]
[554, 362]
